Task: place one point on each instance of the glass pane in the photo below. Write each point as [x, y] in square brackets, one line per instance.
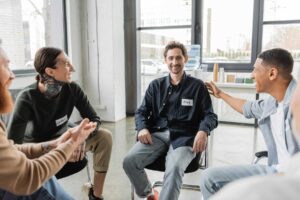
[226, 37]
[281, 10]
[165, 12]
[26, 26]
[283, 36]
[152, 45]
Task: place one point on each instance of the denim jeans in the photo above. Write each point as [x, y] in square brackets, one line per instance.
[51, 190]
[213, 179]
[142, 155]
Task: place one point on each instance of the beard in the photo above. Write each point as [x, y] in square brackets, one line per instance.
[6, 101]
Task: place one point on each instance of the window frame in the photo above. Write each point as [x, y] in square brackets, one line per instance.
[31, 72]
[132, 11]
[197, 37]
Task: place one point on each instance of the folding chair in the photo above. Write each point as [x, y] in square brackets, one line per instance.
[199, 162]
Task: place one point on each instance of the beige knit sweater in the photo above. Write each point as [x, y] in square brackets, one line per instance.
[23, 168]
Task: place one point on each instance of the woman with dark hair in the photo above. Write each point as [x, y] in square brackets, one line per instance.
[26, 170]
[48, 105]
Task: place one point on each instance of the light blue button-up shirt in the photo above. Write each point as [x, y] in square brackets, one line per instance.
[261, 110]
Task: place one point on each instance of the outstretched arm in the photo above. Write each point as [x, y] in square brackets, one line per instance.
[236, 103]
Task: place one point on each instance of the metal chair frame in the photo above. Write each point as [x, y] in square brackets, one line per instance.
[259, 155]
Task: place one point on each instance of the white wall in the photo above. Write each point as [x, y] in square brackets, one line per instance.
[74, 38]
[96, 40]
[96, 48]
[296, 70]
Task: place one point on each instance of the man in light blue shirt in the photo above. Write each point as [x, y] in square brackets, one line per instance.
[275, 187]
[272, 74]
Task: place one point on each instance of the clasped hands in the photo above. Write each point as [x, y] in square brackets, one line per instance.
[76, 136]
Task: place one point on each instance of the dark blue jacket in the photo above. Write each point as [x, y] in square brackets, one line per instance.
[192, 110]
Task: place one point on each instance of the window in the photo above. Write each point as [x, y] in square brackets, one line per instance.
[165, 13]
[152, 46]
[227, 31]
[160, 22]
[281, 26]
[26, 26]
[231, 33]
[281, 10]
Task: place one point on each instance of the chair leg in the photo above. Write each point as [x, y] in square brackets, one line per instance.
[191, 187]
[157, 184]
[88, 173]
[132, 192]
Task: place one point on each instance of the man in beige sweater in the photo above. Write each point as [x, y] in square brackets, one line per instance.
[26, 170]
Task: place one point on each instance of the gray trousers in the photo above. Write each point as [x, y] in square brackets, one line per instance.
[213, 179]
[142, 155]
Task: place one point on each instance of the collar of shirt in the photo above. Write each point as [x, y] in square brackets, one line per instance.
[169, 84]
[272, 104]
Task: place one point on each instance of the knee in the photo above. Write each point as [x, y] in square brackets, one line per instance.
[176, 169]
[105, 136]
[207, 179]
[132, 161]
[128, 162]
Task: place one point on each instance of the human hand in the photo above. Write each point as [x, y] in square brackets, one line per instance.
[63, 138]
[78, 154]
[213, 89]
[52, 144]
[200, 142]
[144, 136]
[80, 133]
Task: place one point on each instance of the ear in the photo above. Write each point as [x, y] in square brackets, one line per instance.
[165, 60]
[49, 71]
[273, 74]
[186, 58]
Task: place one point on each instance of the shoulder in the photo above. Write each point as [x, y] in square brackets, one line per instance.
[194, 79]
[28, 92]
[158, 82]
[290, 90]
[195, 82]
[74, 87]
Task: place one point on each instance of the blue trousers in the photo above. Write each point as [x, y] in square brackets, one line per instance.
[213, 179]
[142, 155]
[51, 190]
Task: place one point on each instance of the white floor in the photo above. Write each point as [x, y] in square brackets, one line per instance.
[229, 144]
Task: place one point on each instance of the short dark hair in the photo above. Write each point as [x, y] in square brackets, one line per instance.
[280, 58]
[173, 45]
[46, 57]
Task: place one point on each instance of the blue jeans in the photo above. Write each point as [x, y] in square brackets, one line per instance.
[213, 179]
[51, 190]
[142, 155]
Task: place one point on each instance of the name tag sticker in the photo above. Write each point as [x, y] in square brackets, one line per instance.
[62, 120]
[187, 102]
